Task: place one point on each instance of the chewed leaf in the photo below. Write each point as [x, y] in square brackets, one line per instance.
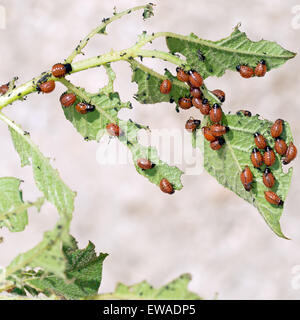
[174, 290]
[149, 82]
[13, 213]
[213, 58]
[84, 273]
[160, 169]
[92, 126]
[227, 163]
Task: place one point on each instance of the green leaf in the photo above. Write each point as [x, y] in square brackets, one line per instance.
[227, 163]
[48, 253]
[84, 271]
[149, 82]
[213, 58]
[175, 290]
[92, 125]
[160, 169]
[13, 213]
[46, 178]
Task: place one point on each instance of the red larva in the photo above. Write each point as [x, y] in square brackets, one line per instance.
[144, 164]
[195, 79]
[192, 124]
[280, 146]
[218, 130]
[182, 75]
[196, 92]
[260, 69]
[47, 86]
[245, 71]
[185, 103]
[246, 177]
[84, 108]
[67, 99]
[166, 186]
[208, 135]
[217, 144]
[3, 89]
[256, 158]
[113, 130]
[166, 86]
[259, 140]
[291, 153]
[202, 105]
[246, 113]
[59, 70]
[269, 157]
[277, 128]
[268, 178]
[215, 113]
[219, 94]
[273, 198]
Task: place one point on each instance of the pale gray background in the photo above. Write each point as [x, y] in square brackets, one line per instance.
[204, 229]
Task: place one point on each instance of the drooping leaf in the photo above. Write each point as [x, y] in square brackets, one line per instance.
[227, 163]
[46, 178]
[149, 82]
[174, 290]
[93, 126]
[213, 58]
[48, 253]
[160, 169]
[84, 274]
[13, 213]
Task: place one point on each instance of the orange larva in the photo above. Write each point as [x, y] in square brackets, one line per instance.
[219, 94]
[113, 130]
[208, 135]
[260, 69]
[277, 128]
[291, 153]
[67, 99]
[166, 186]
[280, 146]
[218, 130]
[84, 108]
[245, 71]
[268, 178]
[269, 157]
[59, 70]
[185, 103]
[3, 89]
[256, 158]
[202, 105]
[196, 92]
[144, 164]
[259, 140]
[165, 86]
[246, 177]
[217, 144]
[192, 124]
[195, 79]
[273, 198]
[182, 75]
[47, 86]
[246, 113]
[215, 113]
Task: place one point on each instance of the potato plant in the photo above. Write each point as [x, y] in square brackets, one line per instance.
[56, 268]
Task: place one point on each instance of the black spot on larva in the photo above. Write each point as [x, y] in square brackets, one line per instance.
[201, 56]
[123, 54]
[148, 76]
[86, 138]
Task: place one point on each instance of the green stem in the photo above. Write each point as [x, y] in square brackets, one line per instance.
[101, 29]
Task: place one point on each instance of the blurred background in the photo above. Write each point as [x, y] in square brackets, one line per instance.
[204, 229]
